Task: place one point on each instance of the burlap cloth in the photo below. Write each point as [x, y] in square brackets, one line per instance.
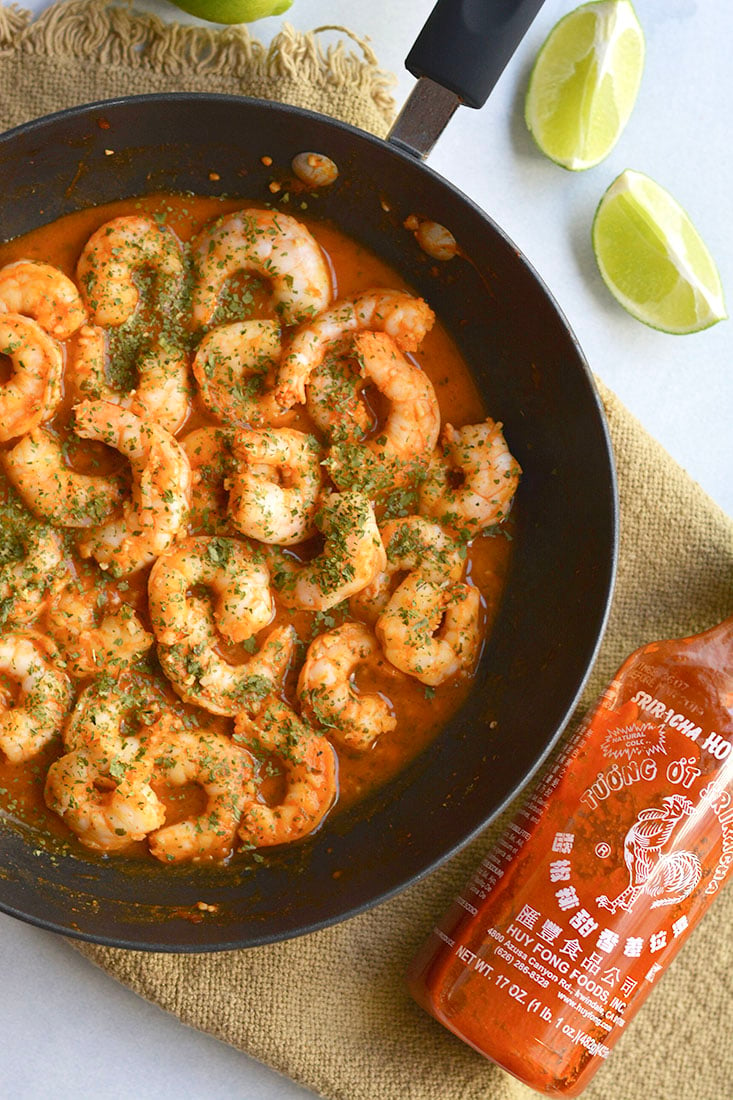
[330, 1010]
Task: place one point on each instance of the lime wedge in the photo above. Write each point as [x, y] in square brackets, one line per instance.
[584, 83]
[652, 258]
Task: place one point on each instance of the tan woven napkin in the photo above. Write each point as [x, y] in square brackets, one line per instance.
[83, 50]
[330, 1010]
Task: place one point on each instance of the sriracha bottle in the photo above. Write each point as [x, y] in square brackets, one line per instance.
[573, 917]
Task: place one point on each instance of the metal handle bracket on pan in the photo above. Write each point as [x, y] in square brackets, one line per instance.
[458, 57]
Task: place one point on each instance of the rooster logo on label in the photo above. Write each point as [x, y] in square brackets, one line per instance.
[668, 878]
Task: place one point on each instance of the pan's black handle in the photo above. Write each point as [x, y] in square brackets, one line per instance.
[466, 44]
[458, 57]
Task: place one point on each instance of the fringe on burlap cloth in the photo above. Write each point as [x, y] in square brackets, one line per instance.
[82, 50]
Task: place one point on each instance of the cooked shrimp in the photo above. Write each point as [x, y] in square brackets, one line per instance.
[273, 245]
[223, 770]
[38, 470]
[33, 391]
[413, 422]
[119, 251]
[275, 484]
[239, 583]
[27, 582]
[101, 786]
[189, 629]
[94, 629]
[44, 293]
[334, 397]
[210, 457]
[490, 475]
[158, 508]
[233, 365]
[163, 388]
[110, 721]
[200, 675]
[327, 694]
[309, 766]
[45, 695]
[412, 544]
[105, 813]
[430, 630]
[415, 543]
[403, 317]
[352, 556]
[163, 392]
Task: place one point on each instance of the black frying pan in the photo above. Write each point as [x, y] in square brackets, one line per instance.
[533, 377]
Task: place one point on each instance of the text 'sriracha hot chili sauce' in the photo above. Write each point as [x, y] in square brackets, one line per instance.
[571, 920]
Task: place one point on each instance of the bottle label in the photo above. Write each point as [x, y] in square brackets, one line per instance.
[609, 864]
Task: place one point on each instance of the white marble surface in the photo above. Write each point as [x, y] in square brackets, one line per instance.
[69, 1031]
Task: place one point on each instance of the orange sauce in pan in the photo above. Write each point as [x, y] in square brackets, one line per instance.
[421, 711]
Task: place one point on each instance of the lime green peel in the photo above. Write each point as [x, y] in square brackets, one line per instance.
[652, 258]
[233, 11]
[584, 83]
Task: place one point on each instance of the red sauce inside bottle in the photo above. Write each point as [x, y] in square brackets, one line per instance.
[571, 920]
